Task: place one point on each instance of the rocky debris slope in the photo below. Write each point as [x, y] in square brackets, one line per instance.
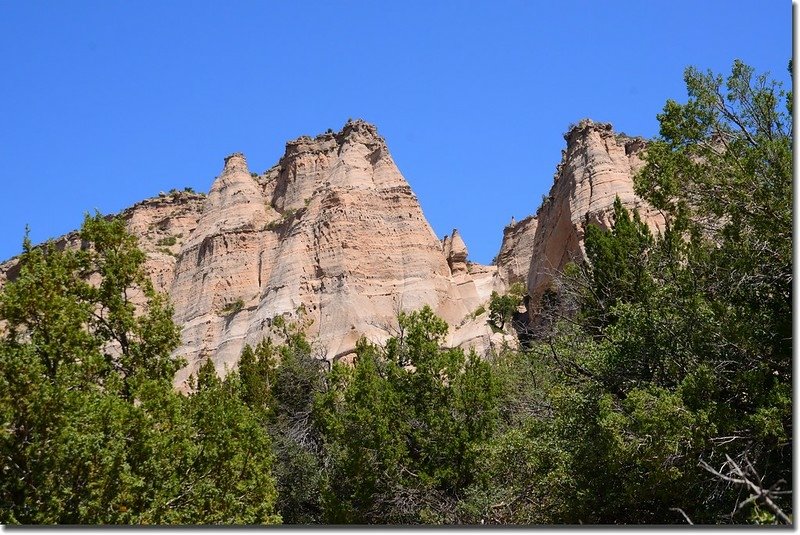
[597, 166]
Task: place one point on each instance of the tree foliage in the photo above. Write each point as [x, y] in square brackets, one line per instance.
[502, 307]
[681, 358]
[660, 392]
[282, 383]
[92, 430]
[401, 427]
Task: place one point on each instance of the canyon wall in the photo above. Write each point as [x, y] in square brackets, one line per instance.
[332, 238]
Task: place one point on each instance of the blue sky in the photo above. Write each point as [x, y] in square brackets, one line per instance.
[106, 103]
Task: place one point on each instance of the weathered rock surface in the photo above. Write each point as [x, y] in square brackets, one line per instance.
[455, 251]
[332, 237]
[597, 166]
[162, 224]
[514, 259]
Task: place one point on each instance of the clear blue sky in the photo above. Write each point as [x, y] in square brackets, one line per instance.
[105, 103]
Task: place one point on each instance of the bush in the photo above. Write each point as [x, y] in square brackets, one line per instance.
[503, 307]
[286, 216]
[83, 429]
[232, 308]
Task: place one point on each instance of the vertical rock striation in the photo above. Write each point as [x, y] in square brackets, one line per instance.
[514, 259]
[331, 237]
[597, 166]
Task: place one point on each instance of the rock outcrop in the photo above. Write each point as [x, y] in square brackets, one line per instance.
[162, 224]
[455, 251]
[331, 237]
[597, 166]
[514, 259]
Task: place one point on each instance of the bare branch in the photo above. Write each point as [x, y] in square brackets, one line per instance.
[681, 511]
[750, 480]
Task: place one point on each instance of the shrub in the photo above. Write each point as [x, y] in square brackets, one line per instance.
[502, 308]
[232, 308]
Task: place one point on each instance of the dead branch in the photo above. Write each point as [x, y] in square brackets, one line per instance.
[681, 511]
[749, 479]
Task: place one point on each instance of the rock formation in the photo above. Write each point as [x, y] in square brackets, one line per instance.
[597, 166]
[514, 259]
[455, 251]
[333, 238]
[162, 224]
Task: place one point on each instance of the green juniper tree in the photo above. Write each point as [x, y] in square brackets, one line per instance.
[670, 394]
[401, 428]
[92, 431]
[281, 383]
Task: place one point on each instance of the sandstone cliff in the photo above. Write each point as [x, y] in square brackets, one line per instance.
[162, 224]
[597, 166]
[514, 259]
[331, 237]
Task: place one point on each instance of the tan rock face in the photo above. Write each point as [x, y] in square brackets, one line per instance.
[514, 259]
[455, 251]
[597, 166]
[162, 224]
[332, 237]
